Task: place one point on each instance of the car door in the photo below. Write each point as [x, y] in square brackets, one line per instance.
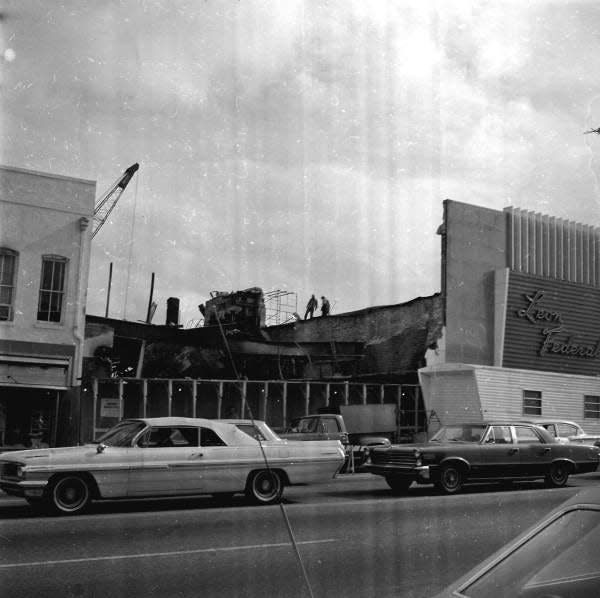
[500, 455]
[535, 455]
[210, 468]
[163, 462]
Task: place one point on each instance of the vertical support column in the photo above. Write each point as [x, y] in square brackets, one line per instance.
[284, 401]
[169, 397]
[346, 392]
[262, 410]
[244, 391]
[399, 421]
[53, 431]
[95, 406]
[120, 399]
[140, 363]
[219, 399]
[327, 386]
[364, 394]
[194, 397]
[381, 393]
[306, 398]
[144, 397]
[517, 241]
[416, 406]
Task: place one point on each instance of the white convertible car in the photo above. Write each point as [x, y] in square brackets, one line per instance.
[168, 456]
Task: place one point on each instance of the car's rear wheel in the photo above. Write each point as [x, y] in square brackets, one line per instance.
[264, 487]
[451, 479]
[69, 495]
[398, 484]
[558, 475]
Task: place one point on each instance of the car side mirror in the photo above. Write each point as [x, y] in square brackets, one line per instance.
[100, 448]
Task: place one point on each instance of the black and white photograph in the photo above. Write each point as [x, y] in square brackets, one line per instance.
[299, 298]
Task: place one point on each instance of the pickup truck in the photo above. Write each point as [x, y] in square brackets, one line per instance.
[331, 426]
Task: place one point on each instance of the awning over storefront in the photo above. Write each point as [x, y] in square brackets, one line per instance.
[34, 372]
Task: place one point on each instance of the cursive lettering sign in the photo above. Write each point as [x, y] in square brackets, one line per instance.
[534, 313]
[551, 344]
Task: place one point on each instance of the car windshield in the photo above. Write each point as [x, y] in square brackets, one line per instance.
[561, 560]
[460, 433]
[122, 434]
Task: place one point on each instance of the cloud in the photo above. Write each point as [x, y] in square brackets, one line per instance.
[305, 145]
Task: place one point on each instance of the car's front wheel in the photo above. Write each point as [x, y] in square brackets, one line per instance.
[558, 475]
[398, 484]
[451, 479]
[69, 495]
[264, 487]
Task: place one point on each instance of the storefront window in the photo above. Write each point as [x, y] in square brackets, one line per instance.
[27, 417]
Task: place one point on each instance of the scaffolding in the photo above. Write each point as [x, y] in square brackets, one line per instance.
[281, 307]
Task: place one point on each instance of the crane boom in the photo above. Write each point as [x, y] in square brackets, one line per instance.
[105, 205]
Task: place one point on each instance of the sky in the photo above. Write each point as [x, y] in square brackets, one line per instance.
[299, 145]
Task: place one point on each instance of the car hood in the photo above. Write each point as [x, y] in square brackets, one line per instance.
[40, 455]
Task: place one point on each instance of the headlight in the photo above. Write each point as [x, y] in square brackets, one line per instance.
[20, 472]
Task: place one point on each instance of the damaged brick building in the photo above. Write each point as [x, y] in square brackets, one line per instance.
[369, 355]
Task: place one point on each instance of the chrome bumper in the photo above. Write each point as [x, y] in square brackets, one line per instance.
[422, 473]
[33, 488]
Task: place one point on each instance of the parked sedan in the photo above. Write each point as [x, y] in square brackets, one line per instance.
[169, 456]
[565, 431]
[556, 558]
[480, 452]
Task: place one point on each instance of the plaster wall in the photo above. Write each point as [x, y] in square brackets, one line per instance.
[474, 243]
[41, 214]
[459, 393]
[450, 395]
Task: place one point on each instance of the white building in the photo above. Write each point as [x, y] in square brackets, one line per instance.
[521, 336]
[44, 264]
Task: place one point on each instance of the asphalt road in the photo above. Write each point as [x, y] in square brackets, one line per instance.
[352, 538]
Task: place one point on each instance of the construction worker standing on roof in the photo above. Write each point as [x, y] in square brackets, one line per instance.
[324, 306]
[311, 306]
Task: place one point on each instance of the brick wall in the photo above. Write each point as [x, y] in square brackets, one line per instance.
[395, 336]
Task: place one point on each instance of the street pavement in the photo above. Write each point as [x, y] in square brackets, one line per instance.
[352, 536]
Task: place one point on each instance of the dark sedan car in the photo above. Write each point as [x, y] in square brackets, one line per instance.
[481, 452]
[556, 558]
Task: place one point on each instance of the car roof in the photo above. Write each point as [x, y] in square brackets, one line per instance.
[550, 421]
[229, 433]
[493, 422]
[173, 421]
[241, 421]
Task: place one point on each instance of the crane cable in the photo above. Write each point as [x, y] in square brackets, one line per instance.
[266, 462]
